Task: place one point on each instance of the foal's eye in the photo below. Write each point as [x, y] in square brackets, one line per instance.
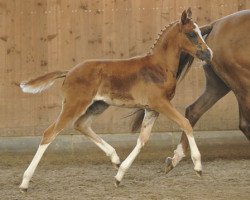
[191, 34]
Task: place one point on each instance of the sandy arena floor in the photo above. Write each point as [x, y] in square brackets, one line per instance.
[226, 175]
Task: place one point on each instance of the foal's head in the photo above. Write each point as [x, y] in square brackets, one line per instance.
[190, 39]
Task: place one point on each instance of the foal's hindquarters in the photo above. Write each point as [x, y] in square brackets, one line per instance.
[78, 90]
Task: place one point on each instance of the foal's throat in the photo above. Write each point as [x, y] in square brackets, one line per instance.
[168, 56]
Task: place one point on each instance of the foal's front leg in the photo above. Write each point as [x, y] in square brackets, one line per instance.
[164, 106]
[147, 124]
[214, 91]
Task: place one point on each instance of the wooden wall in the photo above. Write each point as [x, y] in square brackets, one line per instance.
[39, 36]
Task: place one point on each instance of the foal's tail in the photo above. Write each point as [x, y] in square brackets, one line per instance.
[42, 82]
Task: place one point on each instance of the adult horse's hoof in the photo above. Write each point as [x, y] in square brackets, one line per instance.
[169, 165]
[117, 183]
[23, 190]
[198, 173]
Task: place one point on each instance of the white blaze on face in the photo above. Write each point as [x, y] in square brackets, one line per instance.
[198, 31]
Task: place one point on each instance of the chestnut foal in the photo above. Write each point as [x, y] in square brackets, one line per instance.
[146, 82]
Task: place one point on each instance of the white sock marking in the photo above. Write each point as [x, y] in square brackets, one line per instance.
[32, 167]
[195, 154]
[178, 155]
[128, 161]
[147, 124]
[109, 150]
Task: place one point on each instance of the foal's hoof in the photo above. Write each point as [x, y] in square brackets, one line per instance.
[23, 190]
[198, 173]
[117, 183]
[116, 166]
[169, 165]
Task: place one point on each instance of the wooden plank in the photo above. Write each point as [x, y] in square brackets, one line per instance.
[52, 99]
[136, 13]
[120, 31]
[203, 12]
[3, 46]
[37, 36]
[81, 30]
[133, 26]
[108, 29]
[13, 66]
[66, 48]
[149, 24]
[95, 28]
[4, 40]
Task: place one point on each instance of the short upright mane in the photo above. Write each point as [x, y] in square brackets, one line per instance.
[161, 35]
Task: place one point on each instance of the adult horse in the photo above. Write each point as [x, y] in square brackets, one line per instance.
[146, 82]
[229, 70]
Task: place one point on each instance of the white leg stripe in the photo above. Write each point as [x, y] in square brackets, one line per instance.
[147, 125]
[128, 161]
[195, 154]
[109, 150]
[178, 155]
[32, 167]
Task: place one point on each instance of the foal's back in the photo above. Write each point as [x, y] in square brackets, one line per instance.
[128, 83]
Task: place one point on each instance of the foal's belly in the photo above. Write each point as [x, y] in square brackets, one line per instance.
[122, 101]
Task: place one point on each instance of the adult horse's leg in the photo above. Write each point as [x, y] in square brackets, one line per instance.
[165, 107]
[147, 124]
[215, 90]
[70, 110]
[244, 111]
[83, 124]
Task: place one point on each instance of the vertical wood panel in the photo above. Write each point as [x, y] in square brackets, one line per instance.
[37, 36]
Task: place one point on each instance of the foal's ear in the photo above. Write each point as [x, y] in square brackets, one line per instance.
[189, 13]
[184, 18]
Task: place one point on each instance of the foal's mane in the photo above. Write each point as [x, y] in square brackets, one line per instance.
[161, 35]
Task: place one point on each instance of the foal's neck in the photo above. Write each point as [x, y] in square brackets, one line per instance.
[168, 55]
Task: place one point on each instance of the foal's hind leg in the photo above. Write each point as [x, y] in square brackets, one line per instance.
[83, 124]
[147, 124]
[68, 113]
[215, 90]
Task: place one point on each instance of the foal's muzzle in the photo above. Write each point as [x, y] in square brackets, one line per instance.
[204, 55]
